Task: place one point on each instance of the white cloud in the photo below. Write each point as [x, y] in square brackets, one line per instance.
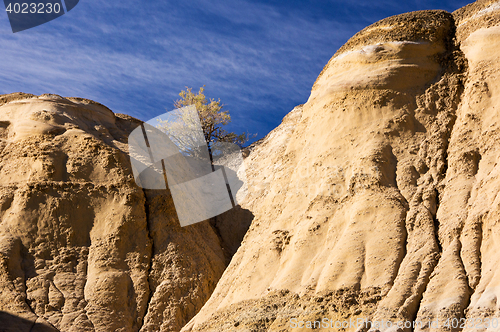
[135, 56]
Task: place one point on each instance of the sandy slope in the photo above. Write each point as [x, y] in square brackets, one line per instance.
[382, 202]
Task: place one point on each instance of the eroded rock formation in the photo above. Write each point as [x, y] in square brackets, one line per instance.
[82, 247]
[379, 200]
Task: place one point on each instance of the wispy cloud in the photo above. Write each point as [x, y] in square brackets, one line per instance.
[259, 57]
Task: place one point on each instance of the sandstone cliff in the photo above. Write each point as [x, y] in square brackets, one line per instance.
[379, 198]
[82, 247]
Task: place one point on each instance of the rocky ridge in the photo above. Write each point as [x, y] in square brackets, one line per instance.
[382, 202]
[376, 200]
[82, 247]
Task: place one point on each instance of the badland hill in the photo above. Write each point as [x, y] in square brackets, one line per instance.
[377, 199]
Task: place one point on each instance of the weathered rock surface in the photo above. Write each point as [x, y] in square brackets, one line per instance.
[379, 199]
[82, 247]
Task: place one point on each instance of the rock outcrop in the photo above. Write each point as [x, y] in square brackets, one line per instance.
[378, 200]
[82, 247]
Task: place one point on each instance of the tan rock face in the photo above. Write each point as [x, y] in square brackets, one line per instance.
[82, 247]
[379, 198]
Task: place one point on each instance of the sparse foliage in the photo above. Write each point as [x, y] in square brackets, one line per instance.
[212, 117]
[182, 125]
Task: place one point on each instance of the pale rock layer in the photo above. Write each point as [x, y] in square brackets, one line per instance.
[82, 247]
[379, 200]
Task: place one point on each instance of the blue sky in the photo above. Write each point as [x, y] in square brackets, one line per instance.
[259, 57]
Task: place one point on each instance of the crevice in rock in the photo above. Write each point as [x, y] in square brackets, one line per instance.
[436, 226]
[404, 251]
[455, 74]
[419, 302]
[27, 267]
[215, 228]
[150, 237]
[455, 63]
[32, 326]
[54, 285]
[93, 327]
[86, 280]
[470, 293]
[474, 283]
[427, 281]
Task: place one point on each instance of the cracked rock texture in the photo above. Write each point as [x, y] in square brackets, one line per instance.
[82, 247]
[380, 197]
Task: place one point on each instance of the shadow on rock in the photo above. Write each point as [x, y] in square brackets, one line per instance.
[232, 226]
[11, 323]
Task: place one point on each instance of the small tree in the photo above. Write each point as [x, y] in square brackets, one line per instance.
[212, 117]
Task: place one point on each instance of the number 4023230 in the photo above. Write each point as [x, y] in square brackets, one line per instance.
[33, 8]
